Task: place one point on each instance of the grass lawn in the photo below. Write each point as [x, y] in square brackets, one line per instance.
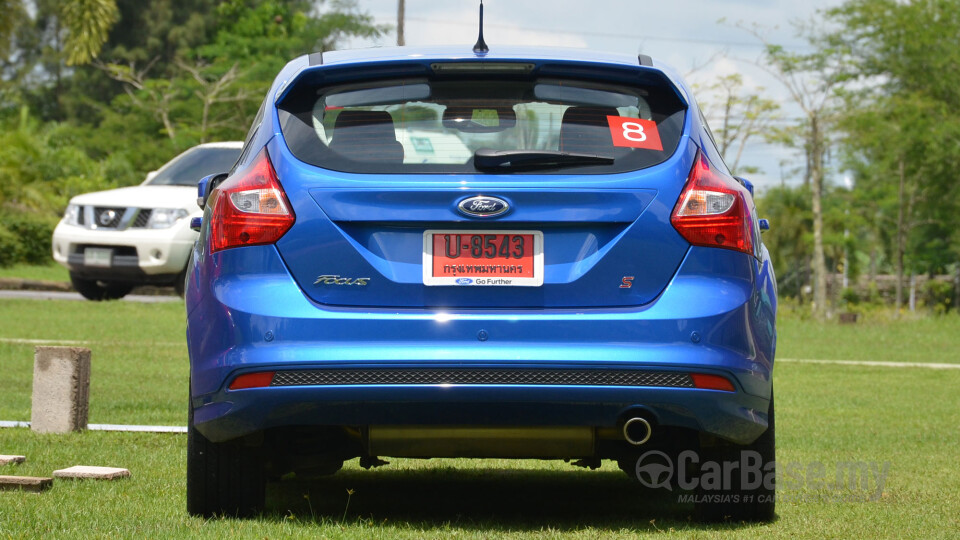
[50, 272]
[827, 413]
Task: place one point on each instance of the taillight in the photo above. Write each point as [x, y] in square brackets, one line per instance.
[250, 208]
[712, 210]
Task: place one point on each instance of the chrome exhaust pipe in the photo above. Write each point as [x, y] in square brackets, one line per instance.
[637, 430]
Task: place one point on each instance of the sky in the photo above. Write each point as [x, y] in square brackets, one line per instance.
[699, 38]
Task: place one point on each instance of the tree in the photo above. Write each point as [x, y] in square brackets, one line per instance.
[741, 116]
[894, 147]
[171, 74]
[87, 23]
[901, 123]
[11, 15]
[203, 93]
[812, 80]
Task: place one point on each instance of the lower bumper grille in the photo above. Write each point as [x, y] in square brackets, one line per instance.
[577, 377]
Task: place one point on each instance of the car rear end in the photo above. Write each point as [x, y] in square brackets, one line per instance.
[586, 280]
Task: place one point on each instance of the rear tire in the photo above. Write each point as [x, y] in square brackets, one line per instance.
[92, 289]
[738, 503]
[223, 478]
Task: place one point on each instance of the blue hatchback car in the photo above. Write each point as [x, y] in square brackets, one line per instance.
[514, 253]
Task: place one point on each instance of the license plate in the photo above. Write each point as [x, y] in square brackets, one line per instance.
[483, 258]
[97, 257]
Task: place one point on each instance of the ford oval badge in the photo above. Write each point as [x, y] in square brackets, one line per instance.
[481, 206]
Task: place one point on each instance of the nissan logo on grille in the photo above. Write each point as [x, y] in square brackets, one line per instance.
[106, 217]
[481, 206]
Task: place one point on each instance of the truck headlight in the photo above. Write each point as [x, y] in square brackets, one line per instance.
[72, 215]
[164, 218]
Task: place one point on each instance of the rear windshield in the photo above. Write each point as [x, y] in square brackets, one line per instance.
[539, 126]
[188, 168]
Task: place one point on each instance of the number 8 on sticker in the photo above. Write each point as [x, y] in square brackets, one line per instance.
[634, 133]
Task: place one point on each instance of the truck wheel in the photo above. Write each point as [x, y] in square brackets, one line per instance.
[223, 478]
[92, 289]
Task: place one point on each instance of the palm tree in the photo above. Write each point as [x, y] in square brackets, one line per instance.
[88, 24]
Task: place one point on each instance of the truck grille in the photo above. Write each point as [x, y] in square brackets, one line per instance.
[577, 377]
[112, 217]
[107, 217]
[142, 218]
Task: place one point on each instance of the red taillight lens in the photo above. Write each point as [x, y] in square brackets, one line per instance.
[713, 210]
[711, 382]
[250, 208]
[253, 380]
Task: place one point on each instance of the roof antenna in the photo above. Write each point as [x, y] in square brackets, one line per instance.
[481, 46]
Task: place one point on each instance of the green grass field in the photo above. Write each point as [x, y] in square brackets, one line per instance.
[50, 272]
[827, 413]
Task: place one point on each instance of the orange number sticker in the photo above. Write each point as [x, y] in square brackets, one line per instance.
[634, 133]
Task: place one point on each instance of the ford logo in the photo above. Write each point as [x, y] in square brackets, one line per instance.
[481, 206]
[464, 281]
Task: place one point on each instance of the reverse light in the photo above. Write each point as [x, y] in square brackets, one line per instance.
[252, 380]
[250, 208]
[712, 210]
[705, 381]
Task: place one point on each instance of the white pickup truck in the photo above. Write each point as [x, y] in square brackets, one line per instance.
[112, 241]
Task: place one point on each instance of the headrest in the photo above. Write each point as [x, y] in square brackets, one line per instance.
[592, 116]
[372, 122]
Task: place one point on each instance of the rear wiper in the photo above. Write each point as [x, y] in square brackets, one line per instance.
[486, 158]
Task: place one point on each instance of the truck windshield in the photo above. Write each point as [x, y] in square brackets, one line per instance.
[189, 167]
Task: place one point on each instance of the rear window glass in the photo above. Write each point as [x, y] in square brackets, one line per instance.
[539, 126]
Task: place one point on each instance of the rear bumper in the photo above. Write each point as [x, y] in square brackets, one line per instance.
[227, 414]
[250, 321]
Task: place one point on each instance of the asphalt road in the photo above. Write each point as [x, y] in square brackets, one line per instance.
[51, 295]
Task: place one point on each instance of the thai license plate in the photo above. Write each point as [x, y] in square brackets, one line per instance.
[483, 258]
[97, 257]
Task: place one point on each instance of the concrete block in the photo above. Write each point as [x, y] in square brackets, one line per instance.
[25, 483]
[6, 460]
[88, 472]
[61, 389]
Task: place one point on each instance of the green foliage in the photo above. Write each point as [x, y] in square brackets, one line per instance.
[10, 247]
[938, 296]
[850, 296]
[788, 239]
[11, 14]
[88, 22]
[33, 234]
[25, 236]
[171, 74]
[902, 124]
[41, 168]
